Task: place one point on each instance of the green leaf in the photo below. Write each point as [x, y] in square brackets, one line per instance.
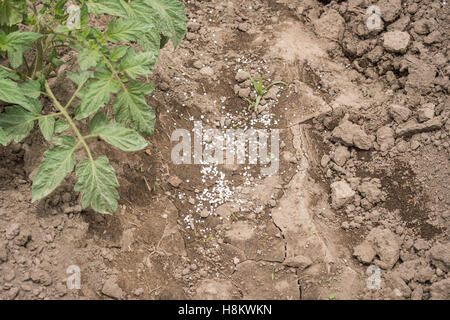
[47, 126]
[61, 126]
[137, 63]
[63, 140]
[84, 15]
[12, 11]
[31, 88]
[79, 77]
[57, 163]
[125, 30]
[88, 58]
[110, 7]
[17, 40]
[117, 53]
[11, 92]
[97, 182]
[15, 57]
[96, 94]
[123, 138]
[130, 107]
[14, 43]
[171, 20]
[3, 137]
[16, 123]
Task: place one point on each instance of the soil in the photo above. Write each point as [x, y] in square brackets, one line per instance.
[363, 178]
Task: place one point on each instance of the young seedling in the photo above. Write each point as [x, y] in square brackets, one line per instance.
[110, 62]
[260, 91]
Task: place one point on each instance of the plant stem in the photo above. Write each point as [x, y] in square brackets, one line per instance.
[69, 120]
[75, 94]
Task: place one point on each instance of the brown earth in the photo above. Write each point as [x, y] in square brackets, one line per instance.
[363, 178]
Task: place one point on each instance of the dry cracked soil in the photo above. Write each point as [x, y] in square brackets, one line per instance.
[359, 208]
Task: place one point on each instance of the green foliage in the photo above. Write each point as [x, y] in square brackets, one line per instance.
[260, 91]
[110, 64]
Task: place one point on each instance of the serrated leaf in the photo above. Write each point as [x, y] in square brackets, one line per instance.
[117, 53]
[47, 126]
[84, 15]
[109, 7]
[88, 58]
[79, 77]
[97, 183]
[63, 140]
[61, 126]
[16, 123]
[96, 94]
[123, 138]
[135, 64]
[17, 40]
[15, 57]
[12, 11]
[14, 44]
[171, 20]
[10, 92]
[125, 30]
[57, 163]
[31, 88]
[130, 107]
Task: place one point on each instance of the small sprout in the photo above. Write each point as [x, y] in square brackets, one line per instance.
[234, 216]
[209, 238]
[273, 273]
[331, 296]
[260, 91]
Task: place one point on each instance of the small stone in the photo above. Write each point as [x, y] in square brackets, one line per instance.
[426, 112]
[241, 76]
[370, 191]
[8, 274]
[300, 262]
[390, 9]
[440, 290]
[341, 155]
[421, 244]
[112, 289]
[193, 26]
[362, 141]
[244, 92]
[341, 194]
[12, 231]
[440, 256]
[399, 113]
[207, 71]
[396, 41]
[412, 127]
[385, 138]
[351, 134]
[204, 213]
[364, 252]
[417, 294]
[325, 160]
[330, 25]
[3, 252]
[386, 245]
[198, 64]
[174, 181]
[138, 292]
